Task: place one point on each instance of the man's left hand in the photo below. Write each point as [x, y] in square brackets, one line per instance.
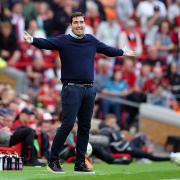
[130, 53]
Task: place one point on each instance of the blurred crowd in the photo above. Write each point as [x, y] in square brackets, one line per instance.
[150, 27]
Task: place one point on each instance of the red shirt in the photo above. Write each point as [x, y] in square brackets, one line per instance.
[16, 124]
[130, 77]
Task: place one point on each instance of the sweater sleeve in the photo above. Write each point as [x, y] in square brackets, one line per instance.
[107, 50]
[54, 43]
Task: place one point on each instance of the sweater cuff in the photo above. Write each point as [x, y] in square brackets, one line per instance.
[31, 40]
[124, 51]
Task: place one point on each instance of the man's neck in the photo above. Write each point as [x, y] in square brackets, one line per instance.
[75, 36]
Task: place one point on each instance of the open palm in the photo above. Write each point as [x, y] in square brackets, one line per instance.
[130, 53]
[27, 37]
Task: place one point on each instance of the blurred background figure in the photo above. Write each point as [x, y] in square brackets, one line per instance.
[116, 87]
[146, 9]
[9, 48]
[163, 41]
[29, 11]
[17, 18]
[130, 38]
[124, 10]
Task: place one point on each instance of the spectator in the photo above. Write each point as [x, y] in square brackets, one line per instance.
[133, 146]
[45, 18]
[145, 9]
[92, 15]
[157, 78]
[4, 16]
[136, 95]
[174, 78]
[53, 75]
[29, 11]
[116, 87]
[24, 135]
[84, 6]
[144, 76]
[130, 38]
[129, 72]
[124, 10]
[152, 24]
[103, 74]
[108, 31]
[163, 40]
[34, 30]
[175, 32]
[152, 58]
[22, 119]
[161, 97]
[8, 94]
[9, 49]
[42, 131]
[17, 18]
[62, 16]
[48, 96]
[174, 57]
[173, 10]
[36, 68]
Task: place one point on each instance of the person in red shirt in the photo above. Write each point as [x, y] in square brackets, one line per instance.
[24, 135]
[128, 72]
[22, 119]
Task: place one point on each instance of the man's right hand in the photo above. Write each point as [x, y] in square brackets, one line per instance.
[27, 37]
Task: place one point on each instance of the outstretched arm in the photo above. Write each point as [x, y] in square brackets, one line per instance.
[111, 51]
[49, 43]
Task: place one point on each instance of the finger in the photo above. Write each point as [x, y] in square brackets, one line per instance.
[26, 33]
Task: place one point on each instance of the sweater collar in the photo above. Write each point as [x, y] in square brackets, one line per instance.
[75, 36]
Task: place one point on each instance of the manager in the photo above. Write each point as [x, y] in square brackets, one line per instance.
[77, 53]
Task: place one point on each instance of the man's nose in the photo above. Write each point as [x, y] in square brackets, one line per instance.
[79, 24]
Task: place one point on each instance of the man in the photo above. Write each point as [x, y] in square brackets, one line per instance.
[77, 52]
[24, 135]
[147, 9]
[132, 145]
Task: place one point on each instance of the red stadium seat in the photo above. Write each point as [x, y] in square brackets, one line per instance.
[14, 149]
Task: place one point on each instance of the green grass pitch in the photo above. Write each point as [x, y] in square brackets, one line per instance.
[134, 171]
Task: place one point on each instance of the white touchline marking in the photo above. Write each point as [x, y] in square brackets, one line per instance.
[170, 179]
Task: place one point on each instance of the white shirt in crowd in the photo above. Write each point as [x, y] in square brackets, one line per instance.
[145, 9]
[108, 33]
[124, 9]
[173, 11]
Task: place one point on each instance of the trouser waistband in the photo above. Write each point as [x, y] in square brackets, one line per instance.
[86, 85]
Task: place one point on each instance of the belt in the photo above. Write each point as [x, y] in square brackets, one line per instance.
[81, 85]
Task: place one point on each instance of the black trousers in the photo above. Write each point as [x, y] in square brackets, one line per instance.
[135, 151]
[24, 135]
[45, 146]
[102, 153]
[76, 102]
[138, 153]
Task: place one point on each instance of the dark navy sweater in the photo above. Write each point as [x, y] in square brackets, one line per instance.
[77, 55]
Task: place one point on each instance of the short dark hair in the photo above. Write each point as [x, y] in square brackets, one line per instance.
[76, 14]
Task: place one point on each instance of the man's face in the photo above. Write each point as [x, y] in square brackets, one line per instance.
[78, 25]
